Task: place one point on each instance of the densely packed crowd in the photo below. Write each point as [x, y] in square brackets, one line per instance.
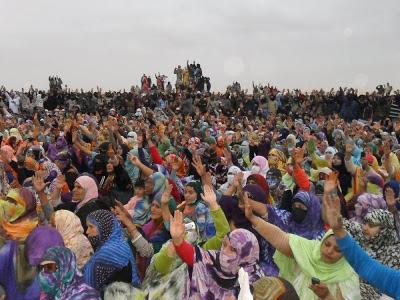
[175, 192]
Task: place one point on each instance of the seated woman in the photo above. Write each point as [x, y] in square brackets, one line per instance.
[60, 277]
[70, 228]
[167, 274]
[383, 278]
[378, 235]
[18, 215]
[300, 259]
[18, 262]
[215, 273]
[113, 259]
[197, 211]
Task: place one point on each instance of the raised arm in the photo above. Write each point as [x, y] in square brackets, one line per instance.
[273, 234]
[379, 276]
[145, 169]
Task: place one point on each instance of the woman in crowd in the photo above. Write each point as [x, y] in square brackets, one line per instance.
[18, 213]
[378, 275]
[214, 273]
[300, 259]
[113, 259]
[19, 261]
[70, 228]
[60, 277]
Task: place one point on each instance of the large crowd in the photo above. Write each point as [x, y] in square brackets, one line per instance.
[172, 191]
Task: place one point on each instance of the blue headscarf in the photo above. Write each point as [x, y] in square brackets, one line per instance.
[394, 185]
[112, 249]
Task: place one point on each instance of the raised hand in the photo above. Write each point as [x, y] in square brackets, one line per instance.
[298, 155]
[331, 183]
[248, 210]
[122, 214]
[331, 212]
[177, 228]
[60, 181]
[238, 179]
[38, 182]
[200, 168]
[166, 194]
[135, 160]
[209, 197]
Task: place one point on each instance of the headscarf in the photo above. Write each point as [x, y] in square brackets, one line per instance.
[67, 281]
[142, 208]
[20, 219]
[262, 182]
[344, 176]
[307, 263]
[215, 273]
[394, 185]
[280, 164]
[367, 202]
[384, 247]
[257, 192]
[112, 249]
[262, 162]
[39, 240]
[90, 188]
[18, 262]
[312, 227]
[387, 237]
[159, 181]
[70, 228]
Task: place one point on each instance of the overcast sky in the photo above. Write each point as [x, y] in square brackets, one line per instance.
[292, 43]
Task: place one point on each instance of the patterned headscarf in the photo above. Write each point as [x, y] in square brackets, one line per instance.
[67, 281]
[215, 273]
[280, 164]
[367, 202]
[113, 250]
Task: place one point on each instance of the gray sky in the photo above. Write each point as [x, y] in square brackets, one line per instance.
[292, 43]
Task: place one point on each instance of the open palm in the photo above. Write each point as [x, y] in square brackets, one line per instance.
[177, 228]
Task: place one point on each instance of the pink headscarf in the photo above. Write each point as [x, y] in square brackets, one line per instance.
[263, 163]
[90, 187]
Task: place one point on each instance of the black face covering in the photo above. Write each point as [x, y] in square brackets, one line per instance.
[298, 214]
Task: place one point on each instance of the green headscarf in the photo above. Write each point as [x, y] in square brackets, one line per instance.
[306, 263]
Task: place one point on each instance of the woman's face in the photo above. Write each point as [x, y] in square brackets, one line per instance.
[190, 194]
[78, 193]
[227, 247]
[91, 230]
[370, 230]
[148, 186]
[330, 252]
[272, 160]
[110, 167]
[156, 212]
[48, 268]
[336, 160]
